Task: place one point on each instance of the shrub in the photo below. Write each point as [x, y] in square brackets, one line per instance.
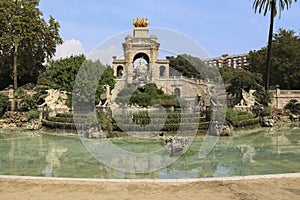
[33, 114]
[65, 115]
[61, 119]
[40, 93]
[233, 115]
[105, 122]
[293, 106]
[263, 96]
[29, 103]
[147, 95]
[20, 93]
[267, 111]
[4, 104]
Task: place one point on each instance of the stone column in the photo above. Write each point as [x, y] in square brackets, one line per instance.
[277, 94]
[11, 98]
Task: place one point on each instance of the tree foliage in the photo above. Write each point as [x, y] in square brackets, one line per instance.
[181, 66]
[272, 6]
[107, 78]
[29, 103]
[63, 72]
[87, 76]
[285, 60]
[22, 25]
[265, 6]
[83, 78]
[193, 67]
[237, 79]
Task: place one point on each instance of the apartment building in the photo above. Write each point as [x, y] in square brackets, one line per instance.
[235, 61]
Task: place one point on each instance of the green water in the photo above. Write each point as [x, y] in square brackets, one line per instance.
[254, 152]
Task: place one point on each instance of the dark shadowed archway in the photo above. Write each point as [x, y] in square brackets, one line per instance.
[143, 56]
[120, 71]
[177, 92]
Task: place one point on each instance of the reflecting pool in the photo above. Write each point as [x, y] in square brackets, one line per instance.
[249, 152]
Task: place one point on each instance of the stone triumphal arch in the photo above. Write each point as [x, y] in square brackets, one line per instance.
[141, 66]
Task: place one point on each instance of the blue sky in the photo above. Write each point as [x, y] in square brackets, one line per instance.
[218, 26]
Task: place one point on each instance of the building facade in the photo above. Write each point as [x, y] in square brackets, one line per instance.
[141, 66]
[235, 61]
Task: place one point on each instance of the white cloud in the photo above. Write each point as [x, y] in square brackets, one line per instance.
[68, 48]
[105, 56]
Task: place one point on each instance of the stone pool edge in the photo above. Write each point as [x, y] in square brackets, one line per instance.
[233, 178]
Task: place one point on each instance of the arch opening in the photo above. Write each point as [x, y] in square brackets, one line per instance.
[120, 71]
[143, 56]
[177, 92]
[162, 71]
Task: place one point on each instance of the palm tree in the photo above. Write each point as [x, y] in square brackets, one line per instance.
[272, 6]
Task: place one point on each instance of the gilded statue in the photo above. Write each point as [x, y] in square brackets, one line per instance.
[140, 22]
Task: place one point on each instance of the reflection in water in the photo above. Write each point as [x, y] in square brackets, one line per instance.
[53, 159]
[248, 153]
[264, 151]
[108, 173]
[150, 175]
[131, 155]
[207, 169]
[284, 143]
[11, 152]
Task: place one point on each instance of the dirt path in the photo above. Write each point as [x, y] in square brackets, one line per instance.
[245, 189]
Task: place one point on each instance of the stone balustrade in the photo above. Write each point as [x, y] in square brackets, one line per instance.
[282, 97]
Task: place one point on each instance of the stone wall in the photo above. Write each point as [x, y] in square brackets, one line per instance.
[282, 97]
[14, 119]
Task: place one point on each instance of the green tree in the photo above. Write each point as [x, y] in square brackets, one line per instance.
[237, 79]
[181, 66]
[63, 72]
[286, 48]
[272, 6]
[89, 83]
[285, 60]
[193, 67]
[107, 78]
[26, 41]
